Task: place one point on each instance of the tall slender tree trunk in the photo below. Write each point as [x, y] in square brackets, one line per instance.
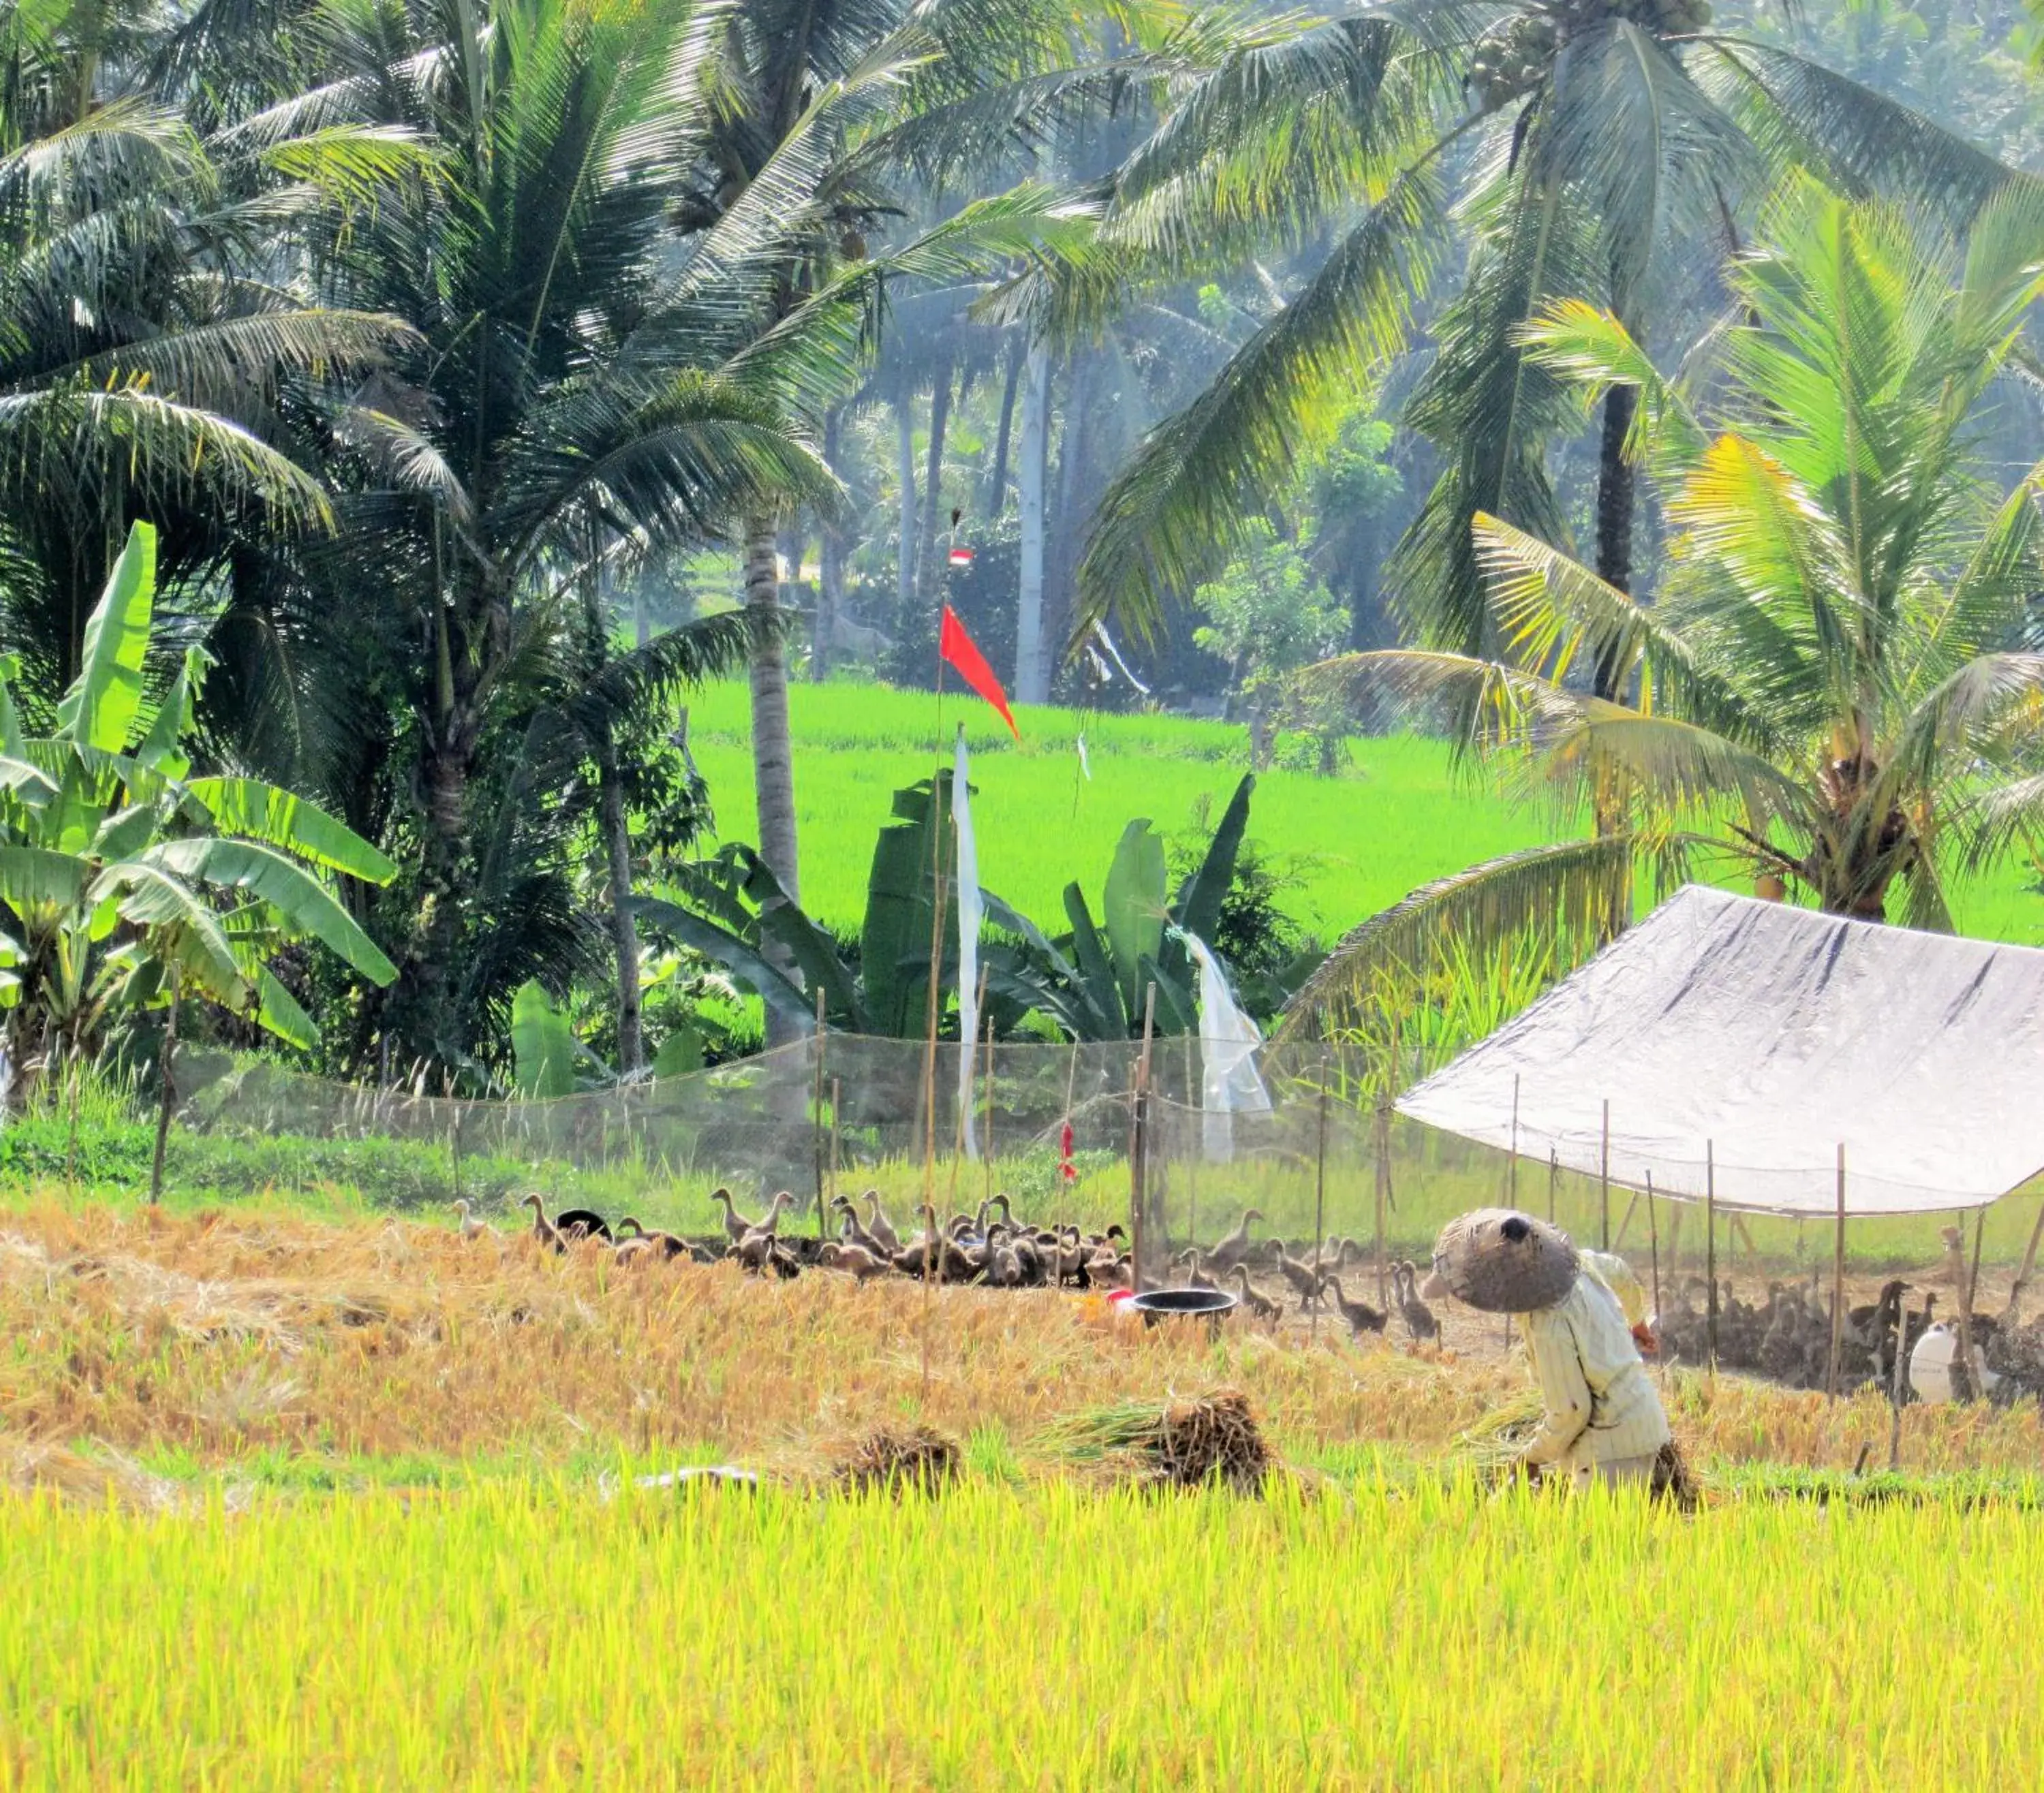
[1032, 674]
[904, 477]
[993, 500]
[929, 582]
[624, 927]
[830, 570]
[1614, 519]
[772, 752]
[1070, 505]
[1615, 504]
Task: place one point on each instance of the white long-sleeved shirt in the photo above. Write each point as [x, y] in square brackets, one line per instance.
[1601, 1407]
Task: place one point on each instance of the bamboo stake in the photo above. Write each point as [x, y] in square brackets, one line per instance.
[1383, 1131]
[2029, 1263]
[1895, 1386]
[1321, 1195]
[1653, 1245]
[167, 1078]
[1838, 1286]
[986, 1090]
[1710, 1256]
[1604, 1179]
[1139, 1146]
[1975, 1383]
[1625, 1225]
[816, 1121]
[836, 1130]
[1511, 1164]
[1553, 1181]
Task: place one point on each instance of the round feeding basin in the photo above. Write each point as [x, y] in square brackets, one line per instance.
[1192, 1303]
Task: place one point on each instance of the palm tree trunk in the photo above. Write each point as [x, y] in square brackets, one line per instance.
[624, 929]
[904, 477]
[1031, 675]
[830, 574]
[994, 500]
[931, 549]
[1615, 497]
[772, 753]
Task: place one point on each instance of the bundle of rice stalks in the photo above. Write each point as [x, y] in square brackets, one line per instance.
[1178, 1444]
[1494, 1447]
[89, 1481]
[921, 1457]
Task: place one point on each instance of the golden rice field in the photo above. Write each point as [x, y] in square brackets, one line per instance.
[532, 1634]
[289, 1502]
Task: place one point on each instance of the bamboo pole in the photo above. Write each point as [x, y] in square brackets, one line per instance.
[2029, 1263]
[1604, 1180]
[1838, 1286]
[1511, 1164]
[836, 1130]
[1625, 1224]
[1383, 1131]
[986, 1090]
[1139, 1146]
[1975, 1383]
[1653, 1246]
[1710, 1256]
[1320, 1194]
[1897, 1371]
[1553, 1181]
[816, 1110]
[166, 1077]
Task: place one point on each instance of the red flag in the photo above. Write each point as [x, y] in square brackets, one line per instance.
[954, 645]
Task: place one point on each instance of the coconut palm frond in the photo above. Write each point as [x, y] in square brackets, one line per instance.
[1588, 347]
[1183, 505]
[1576, 888]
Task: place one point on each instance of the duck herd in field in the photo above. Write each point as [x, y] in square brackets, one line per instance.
[993, 1248]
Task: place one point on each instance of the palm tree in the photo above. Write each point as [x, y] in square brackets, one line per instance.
[152, 322]
[1606, 138]
[1833, 688]
[587, 388]
[881, 91]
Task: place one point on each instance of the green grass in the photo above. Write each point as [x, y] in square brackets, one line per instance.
[1398, 817]
[529, 1634]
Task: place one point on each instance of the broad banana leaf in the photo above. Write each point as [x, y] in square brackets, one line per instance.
[783, 923]
[1103, 987]
[543, 1047]
[38, 878]
[738, 956]
[304, 905]
[125, 833]
[30, 783]
[100, 708]
[680, 1052]
[162, 750]
[894, 947]
[1040, 976]
[1198, 910]
[1132, 908]
[250, 808]
[156, 898]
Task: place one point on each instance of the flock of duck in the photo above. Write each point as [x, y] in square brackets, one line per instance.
[1786, 1339]
[994, 1249]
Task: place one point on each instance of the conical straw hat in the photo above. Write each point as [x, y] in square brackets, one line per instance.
[1504, 1262]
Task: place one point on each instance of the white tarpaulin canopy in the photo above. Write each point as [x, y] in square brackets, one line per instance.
[1764, 1038]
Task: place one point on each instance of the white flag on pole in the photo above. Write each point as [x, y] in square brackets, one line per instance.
[1086, 765]
[970, 908]
[1229, 1081]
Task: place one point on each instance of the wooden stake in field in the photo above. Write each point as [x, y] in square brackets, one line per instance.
[1895, 1384]
[836, 1130]
[986, 1091]
[816, 1108]
[1975, 1383]
[1838, 1286]
[1653, 1246]
[1553, 1181]
[1383, 1130]
[1604, 1180]
[1512, 1164]
[1321, 1189]
[2029, 1263]
[167, 1101]
[1138, 1144]
[1710, 1256]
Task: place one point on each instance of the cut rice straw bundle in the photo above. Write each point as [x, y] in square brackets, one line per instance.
[1178, 1444]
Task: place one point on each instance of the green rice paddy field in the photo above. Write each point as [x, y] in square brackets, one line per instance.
[1399, 815]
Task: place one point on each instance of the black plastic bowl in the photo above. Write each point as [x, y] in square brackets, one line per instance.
[1192, 1303]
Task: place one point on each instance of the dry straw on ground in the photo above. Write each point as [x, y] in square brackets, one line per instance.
[215, 1336]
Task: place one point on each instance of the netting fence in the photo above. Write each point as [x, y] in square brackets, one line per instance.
[1101, 1136]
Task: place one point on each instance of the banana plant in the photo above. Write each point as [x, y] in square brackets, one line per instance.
[1094, 979]
[124, 880]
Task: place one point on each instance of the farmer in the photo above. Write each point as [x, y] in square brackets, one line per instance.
[1604, 1421]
